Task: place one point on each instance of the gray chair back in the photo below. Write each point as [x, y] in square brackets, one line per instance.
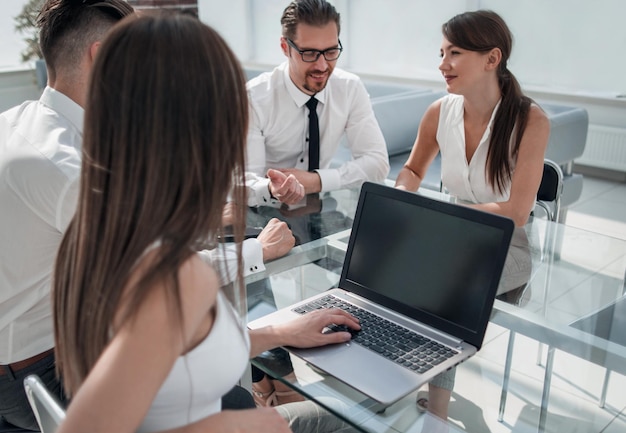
[48, 411]
[550, 189]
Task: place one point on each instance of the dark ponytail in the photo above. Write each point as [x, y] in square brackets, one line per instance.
[508, 129]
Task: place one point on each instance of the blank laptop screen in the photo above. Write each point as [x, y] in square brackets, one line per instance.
[426, 263]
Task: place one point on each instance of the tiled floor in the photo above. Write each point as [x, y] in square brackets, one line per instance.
[576, 384]
[601, 208]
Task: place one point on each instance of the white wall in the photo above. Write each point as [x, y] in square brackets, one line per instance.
[570, 46]
[401, 39]
[567, 52]
[571, 52]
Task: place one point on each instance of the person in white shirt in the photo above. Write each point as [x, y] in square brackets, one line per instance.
[492, 140]
[167, 344]
[278, 167]
[40, 157]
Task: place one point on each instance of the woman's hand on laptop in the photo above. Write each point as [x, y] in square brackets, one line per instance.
[309, 330]
[319, 328]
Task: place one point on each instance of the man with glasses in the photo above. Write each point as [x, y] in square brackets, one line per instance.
[284, 161]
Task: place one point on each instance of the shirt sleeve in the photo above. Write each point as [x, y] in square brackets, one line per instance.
[225, 260]
[257, 185]
[67, 205]
[257, 191]
[50, 193]
[366, 143]
[252, 252]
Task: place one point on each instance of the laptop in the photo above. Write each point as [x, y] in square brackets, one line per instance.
[418, 270]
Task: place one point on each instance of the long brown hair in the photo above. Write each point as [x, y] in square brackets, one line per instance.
[165, 129]
[483, 31]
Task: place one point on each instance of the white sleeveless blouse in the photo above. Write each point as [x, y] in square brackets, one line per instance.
[199, 379]
[466, 181]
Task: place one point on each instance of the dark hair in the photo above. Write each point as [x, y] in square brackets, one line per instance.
[311, 12]
[165, 129]
[68, 27]
[483, 31]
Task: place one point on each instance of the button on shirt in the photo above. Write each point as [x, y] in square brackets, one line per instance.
[279, 128]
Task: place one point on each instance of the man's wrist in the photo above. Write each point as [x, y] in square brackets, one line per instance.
[315, 184]
[269, 189]
[319, 181]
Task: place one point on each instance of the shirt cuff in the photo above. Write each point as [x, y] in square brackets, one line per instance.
[259, 194]
[252, 252]
[330, 179]
[223, 258]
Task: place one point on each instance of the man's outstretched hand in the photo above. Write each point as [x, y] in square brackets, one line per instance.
[285, 188]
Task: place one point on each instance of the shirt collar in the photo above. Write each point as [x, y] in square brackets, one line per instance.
[63, 105]
[299, 97]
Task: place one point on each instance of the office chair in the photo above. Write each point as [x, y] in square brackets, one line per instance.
[550, 190]
[548, 200]
[47, 409]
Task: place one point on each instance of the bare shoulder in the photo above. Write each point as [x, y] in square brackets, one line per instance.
[434, 109]
[198, 281]
[430, 120]
[537, 117]
[199, 286]
[537, 132]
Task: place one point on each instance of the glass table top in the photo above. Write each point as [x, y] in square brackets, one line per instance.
[575, 289]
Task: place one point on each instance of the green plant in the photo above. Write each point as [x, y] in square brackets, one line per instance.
[26, 24]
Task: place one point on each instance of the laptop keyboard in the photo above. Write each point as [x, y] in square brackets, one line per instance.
[401, 345]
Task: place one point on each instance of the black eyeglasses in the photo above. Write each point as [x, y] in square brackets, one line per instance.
[311, 56]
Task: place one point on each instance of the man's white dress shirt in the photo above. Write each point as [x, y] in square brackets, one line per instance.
[277, 137]
[40, 145]
[40, 158]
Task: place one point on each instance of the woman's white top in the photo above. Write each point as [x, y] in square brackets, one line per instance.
[468, 182]
[199, 379]
[465, 180]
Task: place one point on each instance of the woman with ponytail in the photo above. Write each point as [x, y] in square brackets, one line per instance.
[492, 140]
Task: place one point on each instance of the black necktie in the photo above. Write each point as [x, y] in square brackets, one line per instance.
[314, 135]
